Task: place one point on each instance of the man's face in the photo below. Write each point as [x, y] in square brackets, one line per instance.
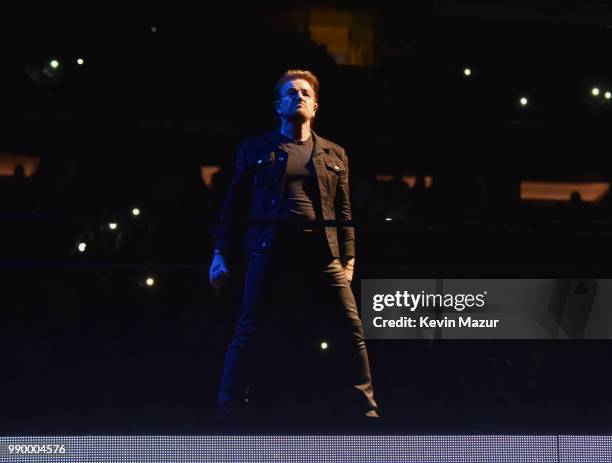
[297, 101]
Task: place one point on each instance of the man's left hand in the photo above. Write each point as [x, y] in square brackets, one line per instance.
[348, 263]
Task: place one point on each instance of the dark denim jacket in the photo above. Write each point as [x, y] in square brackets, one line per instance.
[257, 186]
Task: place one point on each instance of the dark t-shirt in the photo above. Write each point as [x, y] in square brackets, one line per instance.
[301, 188]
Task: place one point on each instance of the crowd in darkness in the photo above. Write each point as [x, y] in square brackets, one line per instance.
[103, 188]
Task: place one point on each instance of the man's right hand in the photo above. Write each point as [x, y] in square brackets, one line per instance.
[218, 272]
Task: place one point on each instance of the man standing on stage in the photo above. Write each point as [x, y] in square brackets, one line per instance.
[292, 182]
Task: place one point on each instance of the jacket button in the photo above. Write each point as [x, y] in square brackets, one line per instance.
[259, 161]
[281, 158]
[274, 202]
[336, 168]
[263, 244]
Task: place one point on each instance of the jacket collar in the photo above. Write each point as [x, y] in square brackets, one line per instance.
[320, 144]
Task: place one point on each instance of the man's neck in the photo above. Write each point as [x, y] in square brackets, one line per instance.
[296, 131]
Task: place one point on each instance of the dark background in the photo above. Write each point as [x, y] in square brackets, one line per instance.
[89, 347]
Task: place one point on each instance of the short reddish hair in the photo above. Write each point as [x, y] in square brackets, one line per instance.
[293, 74]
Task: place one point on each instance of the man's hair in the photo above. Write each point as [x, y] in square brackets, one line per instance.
[293, 74]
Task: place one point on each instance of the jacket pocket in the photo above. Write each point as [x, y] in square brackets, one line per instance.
[262, 170]
[265, 160]
[335, 169]
[334, 166]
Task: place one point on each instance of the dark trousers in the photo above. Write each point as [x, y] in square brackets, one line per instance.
[297, 296]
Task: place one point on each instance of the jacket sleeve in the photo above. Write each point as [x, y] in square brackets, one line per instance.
[235, 205]
[342, 204]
